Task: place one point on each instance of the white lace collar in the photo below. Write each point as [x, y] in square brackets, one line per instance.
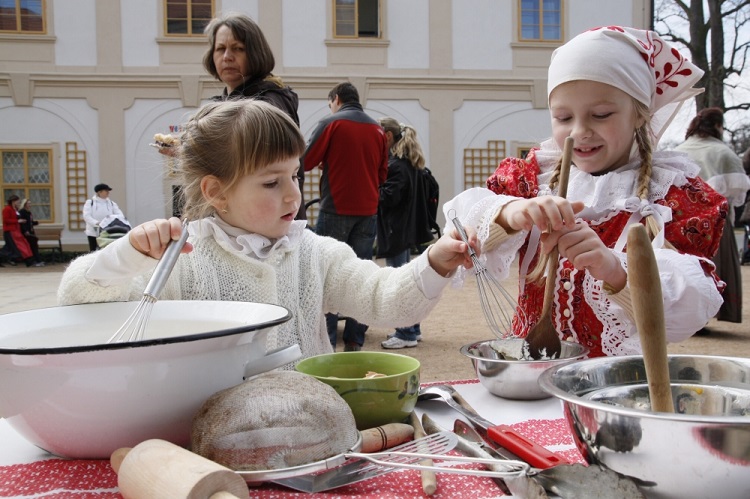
[241, 242]
[600, 193]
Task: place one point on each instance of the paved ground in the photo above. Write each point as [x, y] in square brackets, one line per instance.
[456, 321]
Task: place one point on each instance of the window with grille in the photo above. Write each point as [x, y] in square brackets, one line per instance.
[541, 20]
[22, 16]
[356, 18]
[187, 17]
[28, 174]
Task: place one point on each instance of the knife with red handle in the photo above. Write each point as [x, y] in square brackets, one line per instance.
[507, 438]
[531, 452]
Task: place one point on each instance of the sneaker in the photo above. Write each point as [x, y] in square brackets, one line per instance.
[38, 264]
[352, 347]
[394, 343]
[393, 335]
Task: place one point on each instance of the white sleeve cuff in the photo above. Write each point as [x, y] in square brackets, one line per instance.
[118, 263]
[428, 280]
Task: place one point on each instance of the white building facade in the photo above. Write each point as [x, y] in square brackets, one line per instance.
[84, 91]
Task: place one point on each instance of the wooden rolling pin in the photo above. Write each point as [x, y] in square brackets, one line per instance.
[648, 309]
[157, 468]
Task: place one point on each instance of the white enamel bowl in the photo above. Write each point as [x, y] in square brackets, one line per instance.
[68, 391]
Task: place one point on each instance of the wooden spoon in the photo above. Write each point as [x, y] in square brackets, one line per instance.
[543, 340]
[648, 309]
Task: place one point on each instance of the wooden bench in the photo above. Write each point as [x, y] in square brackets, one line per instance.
[50, 237]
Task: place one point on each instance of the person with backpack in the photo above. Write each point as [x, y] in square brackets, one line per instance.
[97, 209]
[402, 211]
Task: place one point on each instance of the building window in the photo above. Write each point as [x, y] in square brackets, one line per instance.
[541, 20]
[28, 174]
[356, 18]
[188, 17]
[22, 16]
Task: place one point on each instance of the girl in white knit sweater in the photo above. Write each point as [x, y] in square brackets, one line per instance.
[238, 165]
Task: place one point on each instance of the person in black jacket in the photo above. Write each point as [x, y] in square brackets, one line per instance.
[239, 56]
[398, 227]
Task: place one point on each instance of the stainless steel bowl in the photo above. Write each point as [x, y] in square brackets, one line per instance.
[702, 450]
[514, 379]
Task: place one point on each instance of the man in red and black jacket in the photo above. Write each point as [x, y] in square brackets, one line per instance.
[351, 150]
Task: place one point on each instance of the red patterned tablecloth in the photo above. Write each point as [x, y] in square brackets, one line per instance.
[84, 479]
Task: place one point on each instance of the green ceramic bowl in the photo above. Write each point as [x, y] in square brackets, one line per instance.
[374, 401]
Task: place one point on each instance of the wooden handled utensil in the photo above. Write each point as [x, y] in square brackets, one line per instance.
[648, 308]
[157, 468]
[429, 480]
[543, 340]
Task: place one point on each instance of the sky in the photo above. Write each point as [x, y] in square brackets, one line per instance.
[676, 131]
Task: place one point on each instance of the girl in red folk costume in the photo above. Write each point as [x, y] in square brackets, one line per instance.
[614, 90]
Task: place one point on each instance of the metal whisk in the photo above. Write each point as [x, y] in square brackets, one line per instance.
[498, 305]
[135, 325]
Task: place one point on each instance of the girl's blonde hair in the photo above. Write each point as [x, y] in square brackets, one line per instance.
[405, 143]
[645, 151]
[230, 140]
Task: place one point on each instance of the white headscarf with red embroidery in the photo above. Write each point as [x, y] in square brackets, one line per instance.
[638, 62]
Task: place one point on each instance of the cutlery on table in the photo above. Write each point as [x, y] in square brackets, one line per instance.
[503, 435]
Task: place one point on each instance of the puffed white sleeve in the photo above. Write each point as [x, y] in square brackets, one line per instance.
[689, 293]
[477, 208]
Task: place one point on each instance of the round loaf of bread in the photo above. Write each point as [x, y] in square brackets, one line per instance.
[273, 421]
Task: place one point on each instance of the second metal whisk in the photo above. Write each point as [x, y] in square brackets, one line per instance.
[498, 305]
[135, 325]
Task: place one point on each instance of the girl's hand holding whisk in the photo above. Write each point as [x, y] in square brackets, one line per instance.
[546, 212]
[151, 238]
[585, 250]
[450, 252]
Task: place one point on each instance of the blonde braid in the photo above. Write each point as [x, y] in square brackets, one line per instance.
[645, 151]
[537, 272]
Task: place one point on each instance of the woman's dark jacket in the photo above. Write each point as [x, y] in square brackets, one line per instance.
[283, 98]
[397, 208]
[28, 226]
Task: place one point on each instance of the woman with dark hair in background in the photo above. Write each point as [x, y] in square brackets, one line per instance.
[239, 56]
[722, 169]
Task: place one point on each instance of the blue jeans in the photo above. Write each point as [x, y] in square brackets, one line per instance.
[405, 333]
[359, 233]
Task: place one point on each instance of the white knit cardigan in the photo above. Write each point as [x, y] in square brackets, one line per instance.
[312, 276]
